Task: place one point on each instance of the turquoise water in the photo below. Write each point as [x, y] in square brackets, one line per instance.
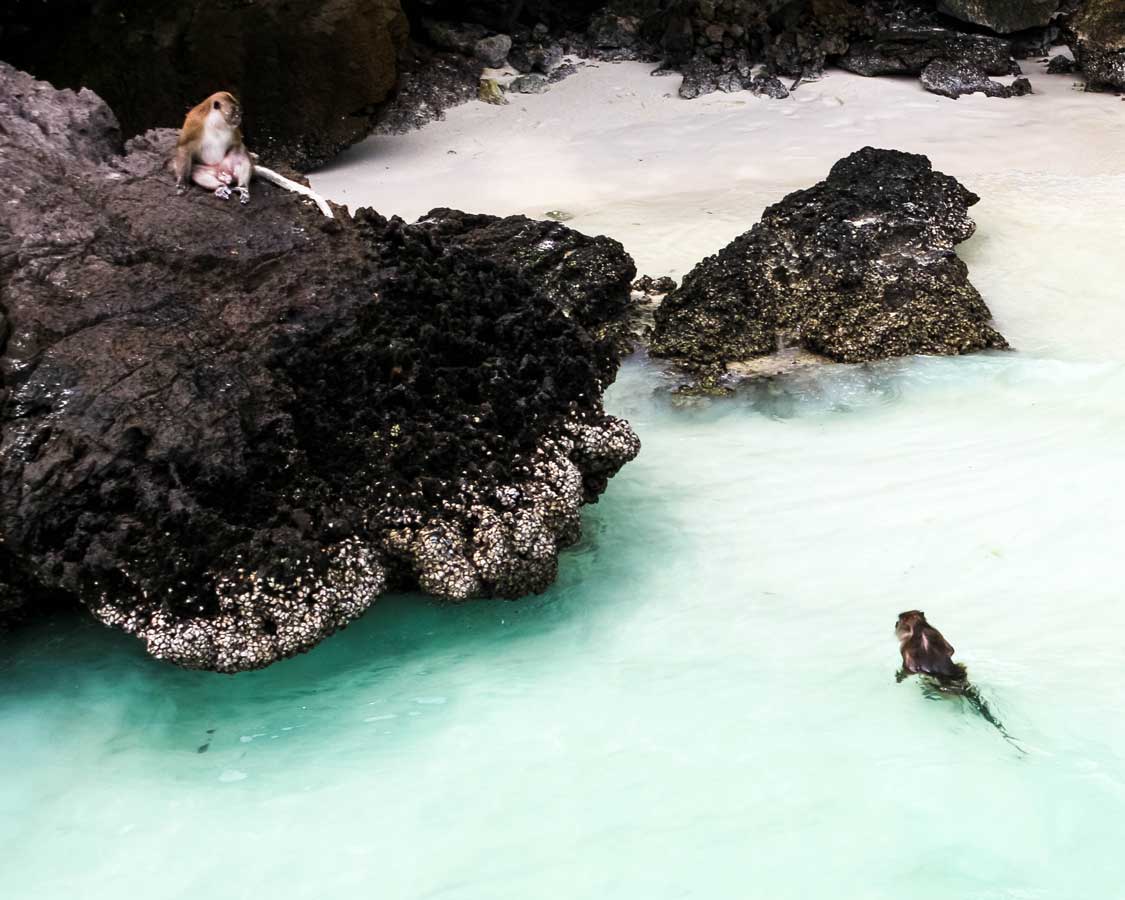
[704, 706]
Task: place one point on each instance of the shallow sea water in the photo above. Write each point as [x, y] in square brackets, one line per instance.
[704, 705]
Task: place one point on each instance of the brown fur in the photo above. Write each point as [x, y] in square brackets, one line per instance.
[212, 153]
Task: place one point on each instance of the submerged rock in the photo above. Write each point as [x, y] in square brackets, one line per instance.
[859, 267]
[227, 429]
[954, 80]
[1097, 37]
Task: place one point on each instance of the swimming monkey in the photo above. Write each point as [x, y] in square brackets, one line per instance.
[211, 153]
[926, 652]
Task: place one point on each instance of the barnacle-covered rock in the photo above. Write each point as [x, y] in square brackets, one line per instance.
[859, 267]
[228, 429]
[1096, 34]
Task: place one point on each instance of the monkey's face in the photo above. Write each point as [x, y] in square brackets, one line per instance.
[225, 104]
[906, 622]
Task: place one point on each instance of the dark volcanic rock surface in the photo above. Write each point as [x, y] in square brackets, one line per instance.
[588, 278]
[1003, 16]
[954, 80]
[1097, 37]
[909, 51]
[859, 267]
[228, 429]
[310, 75]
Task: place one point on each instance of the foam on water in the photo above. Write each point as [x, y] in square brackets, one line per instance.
[705, 704]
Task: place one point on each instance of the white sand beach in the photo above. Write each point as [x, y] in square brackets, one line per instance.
[674, 180]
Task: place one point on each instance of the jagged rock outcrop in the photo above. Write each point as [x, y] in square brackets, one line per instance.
[859, 267]
[950, 79]
[1002, 16]
[228, 429]
[1097, 37]
[588, 278]
[310, 75]
[908, 51]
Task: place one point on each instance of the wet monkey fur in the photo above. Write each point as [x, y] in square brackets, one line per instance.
[926, 652]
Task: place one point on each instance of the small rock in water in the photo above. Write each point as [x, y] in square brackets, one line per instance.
[558, 215]
[491, 92]
[493, 51]
[529, 84]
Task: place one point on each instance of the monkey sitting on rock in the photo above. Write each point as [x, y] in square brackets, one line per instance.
[210, 152]
[926, 652]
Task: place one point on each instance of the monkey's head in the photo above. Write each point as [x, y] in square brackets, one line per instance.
[907, 622]
[226, 104]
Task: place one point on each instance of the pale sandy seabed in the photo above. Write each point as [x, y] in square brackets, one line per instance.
[704, 705]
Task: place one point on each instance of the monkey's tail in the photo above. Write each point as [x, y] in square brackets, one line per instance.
[978, 703]
[281, 181]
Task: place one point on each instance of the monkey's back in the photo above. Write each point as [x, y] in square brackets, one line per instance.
[928, 653]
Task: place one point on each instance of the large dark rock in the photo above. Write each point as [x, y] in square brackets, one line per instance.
[807, 33]
[909, 51]
[1097, 37]
[1003, 16]
[228, 429]
[310, 75]
[588, 278]
[859, 267]
[430, 82]
[951, 79]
